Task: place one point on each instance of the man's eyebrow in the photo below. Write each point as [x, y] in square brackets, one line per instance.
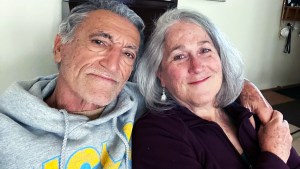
[101, 34]
[133, 47]
[110, 38]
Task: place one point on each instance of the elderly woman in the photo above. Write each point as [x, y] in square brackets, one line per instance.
[190, 77]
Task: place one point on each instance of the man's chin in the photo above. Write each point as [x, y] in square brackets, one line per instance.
[102, 98]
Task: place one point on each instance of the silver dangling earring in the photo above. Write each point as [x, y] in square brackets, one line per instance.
[163, 96]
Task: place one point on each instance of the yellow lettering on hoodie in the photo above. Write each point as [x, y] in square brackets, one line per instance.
[52, 164]
[88, 157]
[128, 130]
[106, 161]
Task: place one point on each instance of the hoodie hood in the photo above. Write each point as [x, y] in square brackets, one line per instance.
[23, 101]
[40, 136]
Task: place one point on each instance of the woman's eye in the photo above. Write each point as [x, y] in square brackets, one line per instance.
[178, 57]
[205, 50]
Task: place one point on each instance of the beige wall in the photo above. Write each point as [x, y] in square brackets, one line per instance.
[253, 27]
[27, 30]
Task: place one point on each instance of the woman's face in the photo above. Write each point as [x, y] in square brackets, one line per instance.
[191, 68]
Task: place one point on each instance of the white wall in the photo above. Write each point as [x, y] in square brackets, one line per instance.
[253, 27]
[28, 28]
[27, 31]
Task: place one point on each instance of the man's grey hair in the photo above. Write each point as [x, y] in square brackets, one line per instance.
[146, 74]
[69, 25]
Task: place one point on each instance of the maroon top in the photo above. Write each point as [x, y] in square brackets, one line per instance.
[178, 139]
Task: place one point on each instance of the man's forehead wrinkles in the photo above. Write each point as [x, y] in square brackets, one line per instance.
[113, 39]
[102, 34]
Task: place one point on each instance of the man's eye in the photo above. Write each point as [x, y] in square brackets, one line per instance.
[130, 55]
[98, 42]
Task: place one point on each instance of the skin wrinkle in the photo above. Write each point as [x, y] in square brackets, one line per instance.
[191, 67]
[90, 80]
[197, 69]
[275, 134]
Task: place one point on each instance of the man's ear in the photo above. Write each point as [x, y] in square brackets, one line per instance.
[57, 49]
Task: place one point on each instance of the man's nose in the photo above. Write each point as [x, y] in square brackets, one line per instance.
[112, 59]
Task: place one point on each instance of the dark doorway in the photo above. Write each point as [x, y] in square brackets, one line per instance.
[148, 10]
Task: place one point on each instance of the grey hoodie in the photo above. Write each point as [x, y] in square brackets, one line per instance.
[34, 135]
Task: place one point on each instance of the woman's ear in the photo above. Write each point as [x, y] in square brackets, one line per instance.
[57, 49]
[160, 77]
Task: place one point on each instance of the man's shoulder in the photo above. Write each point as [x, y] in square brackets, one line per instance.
[131, 86]
[6, 121]
[133, 90]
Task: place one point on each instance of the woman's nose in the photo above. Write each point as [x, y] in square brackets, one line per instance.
[196, 65]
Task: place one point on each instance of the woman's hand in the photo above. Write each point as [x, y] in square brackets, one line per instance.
[275, 136]
[252, 99]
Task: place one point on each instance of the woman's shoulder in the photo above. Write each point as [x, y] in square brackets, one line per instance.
[164, 137]
[165, 121]
[157, 117]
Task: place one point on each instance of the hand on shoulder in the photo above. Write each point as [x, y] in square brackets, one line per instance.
[275, 136]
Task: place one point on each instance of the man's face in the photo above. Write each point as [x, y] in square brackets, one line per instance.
[95, 65]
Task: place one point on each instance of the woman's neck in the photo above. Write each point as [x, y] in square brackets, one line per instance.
[218, 116]
[209, 113]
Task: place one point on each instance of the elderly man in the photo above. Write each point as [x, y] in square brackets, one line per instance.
[83, 116]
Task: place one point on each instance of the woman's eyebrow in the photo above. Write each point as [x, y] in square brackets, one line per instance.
[203, 42]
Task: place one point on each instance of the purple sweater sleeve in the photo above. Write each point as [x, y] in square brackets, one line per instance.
[165, 142]
[269, 160]
[265, 160]
[159, 143]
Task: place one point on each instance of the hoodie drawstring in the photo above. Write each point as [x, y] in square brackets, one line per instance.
[65, 140]
[115, 128]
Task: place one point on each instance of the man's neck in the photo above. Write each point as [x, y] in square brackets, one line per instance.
[63, 98]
